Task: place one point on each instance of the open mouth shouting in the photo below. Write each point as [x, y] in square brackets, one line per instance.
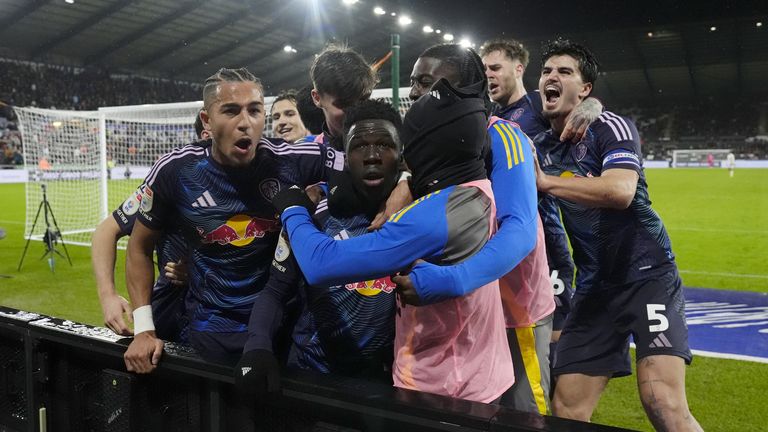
[551, 96]
[243, 145]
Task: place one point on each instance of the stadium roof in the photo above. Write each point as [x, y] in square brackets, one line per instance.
[647, 49]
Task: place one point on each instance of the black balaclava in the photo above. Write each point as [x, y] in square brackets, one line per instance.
[445, 136]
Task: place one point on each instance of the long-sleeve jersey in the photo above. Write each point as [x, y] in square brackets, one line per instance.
[526, 113]
[226, 218]
[516, 254]
[347, 329]
[610, 247]
[457, 347]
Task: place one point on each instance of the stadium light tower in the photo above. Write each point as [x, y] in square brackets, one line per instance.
[378, 10]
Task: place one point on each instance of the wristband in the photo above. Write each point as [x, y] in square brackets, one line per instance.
[142, 320]
[404, 176]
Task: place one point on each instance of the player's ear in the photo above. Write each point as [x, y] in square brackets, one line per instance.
[586, 89]
[315, 97]
[206, 119]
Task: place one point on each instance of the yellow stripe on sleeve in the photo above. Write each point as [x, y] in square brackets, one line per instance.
[520, 142]
[515, 142]
[506, 144]
[396, 217]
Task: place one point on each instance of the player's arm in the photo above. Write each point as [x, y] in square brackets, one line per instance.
[580, 118]
[145, 350]
[615, 188]
[103, 257]
[267, 312]
[514, 185]
[258, 370]
[619, 147]
[325, 261]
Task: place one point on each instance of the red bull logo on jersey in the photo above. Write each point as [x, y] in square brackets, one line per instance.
[239, 230]
[372, 287]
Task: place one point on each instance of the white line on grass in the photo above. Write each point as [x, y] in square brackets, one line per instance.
[724, 230]
[7, 222]
[736, 275]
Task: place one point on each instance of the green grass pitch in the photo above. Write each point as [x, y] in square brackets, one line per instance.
[719, 231]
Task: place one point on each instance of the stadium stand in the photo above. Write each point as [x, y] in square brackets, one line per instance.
[733, 124]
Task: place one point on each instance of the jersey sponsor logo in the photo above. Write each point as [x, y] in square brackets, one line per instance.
[372, 287]
[269, 188]
[146, 199]
[517, 114]
[239, 230]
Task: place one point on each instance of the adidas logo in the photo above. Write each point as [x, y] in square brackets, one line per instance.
[245, 370]
[435, 94]
[661, 341]
[204, 200]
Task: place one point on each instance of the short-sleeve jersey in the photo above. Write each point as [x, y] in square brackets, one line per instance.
[525, 113]
[169, 248]
[226, 217]
[610, 247]
[348, 328]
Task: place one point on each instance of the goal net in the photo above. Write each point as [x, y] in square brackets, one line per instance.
[91, 161]
[699, 158]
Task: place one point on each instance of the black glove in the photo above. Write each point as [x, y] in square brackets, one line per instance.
[293, 196]
[258, 372]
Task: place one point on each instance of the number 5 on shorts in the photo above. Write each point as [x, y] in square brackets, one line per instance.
[655, 313]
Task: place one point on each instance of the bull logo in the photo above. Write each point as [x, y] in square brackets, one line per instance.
[372, 287]
[240, 230]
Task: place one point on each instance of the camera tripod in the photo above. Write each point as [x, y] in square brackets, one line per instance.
[50, 238]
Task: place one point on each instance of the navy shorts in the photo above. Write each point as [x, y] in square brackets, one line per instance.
[595, 340]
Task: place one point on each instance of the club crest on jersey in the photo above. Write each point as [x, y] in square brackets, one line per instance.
[131, 205]
[372, 287]
[269, 188]
[581, 151]
[517, 114]
[146, 199]
[239, 230]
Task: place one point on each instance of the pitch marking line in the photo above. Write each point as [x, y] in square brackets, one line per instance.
[741, 275]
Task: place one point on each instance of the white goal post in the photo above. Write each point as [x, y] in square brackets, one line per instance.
[91, 161]
[699, 158]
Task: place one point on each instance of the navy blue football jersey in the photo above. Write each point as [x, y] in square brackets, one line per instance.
[347, 329]
[226, 217]
[610, 247]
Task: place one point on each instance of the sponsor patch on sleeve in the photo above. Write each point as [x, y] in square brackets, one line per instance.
[621, 157]
[283, 249]
[146, 199]
[131, 205]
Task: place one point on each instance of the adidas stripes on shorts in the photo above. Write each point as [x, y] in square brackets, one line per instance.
[595, 339]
